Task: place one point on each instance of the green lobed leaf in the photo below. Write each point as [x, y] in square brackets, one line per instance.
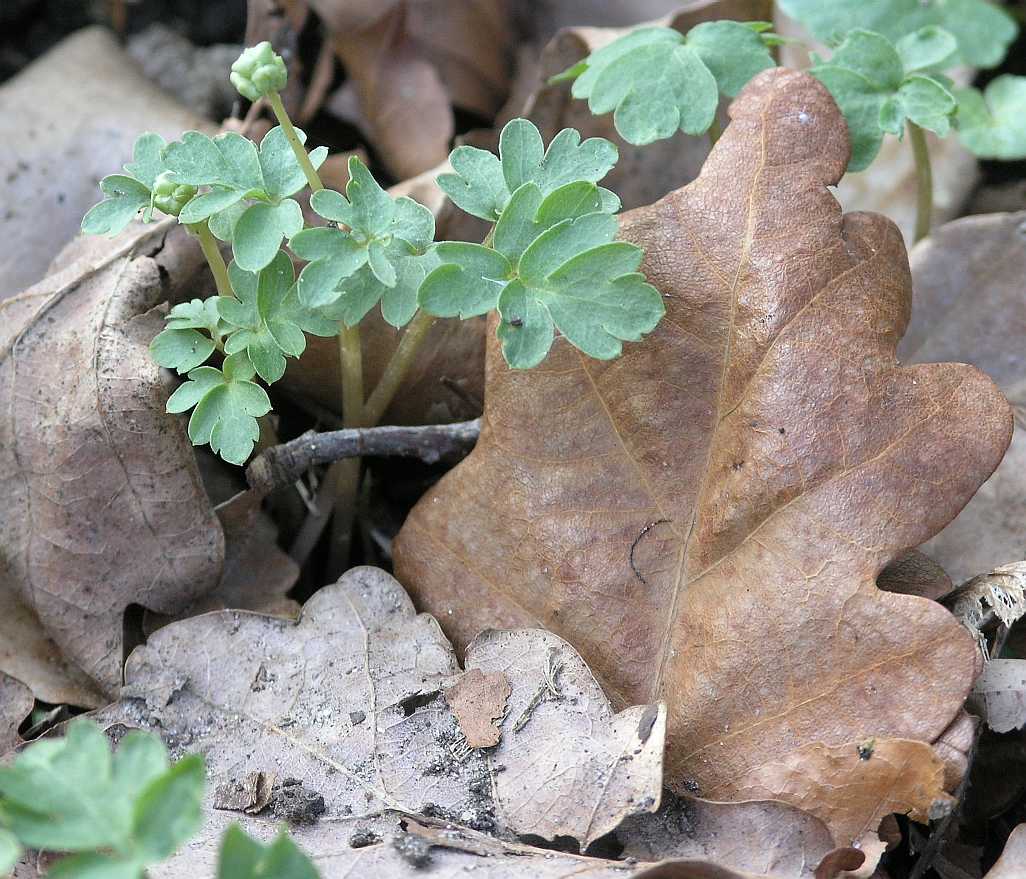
[281, 171]
[217, 200]
[982, 30]
[361, 291]
[222, 224]
[121, 813]
[242, 857]
[877, 95]
[733, 51]
[181, 350]
[267, 319]
[125, 197]
[227, 404]
[927, 48]
[657, 81]
[260, 230]
[147, 165]
[992, 123]
[467, 283]
[484, 183]
[228, 160]
[366, 208]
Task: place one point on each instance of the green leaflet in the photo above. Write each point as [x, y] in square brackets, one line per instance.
[227, 404]
[266, 319]
[248, 201]
[547, 273]
[483, 183]
[657, 81]
[72, 795]
[10, 851]
[877, 93]
[127, 194]
[182, 346]
[983, 32]
[992, 123]
[376, 260]
[242, 857]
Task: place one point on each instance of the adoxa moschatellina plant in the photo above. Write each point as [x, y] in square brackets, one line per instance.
[549, 264]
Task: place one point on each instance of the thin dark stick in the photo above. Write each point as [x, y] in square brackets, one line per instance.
[282, 465]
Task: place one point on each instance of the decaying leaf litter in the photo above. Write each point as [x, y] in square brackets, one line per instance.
[709, 537]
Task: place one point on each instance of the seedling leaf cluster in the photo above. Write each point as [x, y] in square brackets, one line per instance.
[115, 814]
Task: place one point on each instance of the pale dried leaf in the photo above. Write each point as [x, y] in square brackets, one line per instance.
[969, 307]
[103, 502]
[1012, 863]
[711, 531]
[15, 704]
[999, 695]
[349, 702]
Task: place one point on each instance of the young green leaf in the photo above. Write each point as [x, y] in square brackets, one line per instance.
[878, 95]
[227, 404]
[260, 231]
[228, 160]
[983, 31]
[483, 184]
[242, 857]
[266, 319]
[282, 175]
[360, 292]
[127, 194]
[657, 81]
[384, 235]
[181, 349]
[929, 48]
[570, 276]
[121, 813]
[992, 124]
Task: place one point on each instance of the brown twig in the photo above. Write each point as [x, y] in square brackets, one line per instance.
[282, 465]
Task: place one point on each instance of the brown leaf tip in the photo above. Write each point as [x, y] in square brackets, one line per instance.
[796, 119]
[479, 700]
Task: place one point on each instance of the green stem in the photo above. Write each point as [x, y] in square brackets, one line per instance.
[274, 99]
[398, 365]
[715, 130]
[351, 361]
[212, 251]
[924, 180]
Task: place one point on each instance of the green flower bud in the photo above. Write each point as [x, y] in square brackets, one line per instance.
[257, 71]
[170, 196]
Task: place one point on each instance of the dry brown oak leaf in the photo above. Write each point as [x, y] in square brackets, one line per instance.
[15, 704]
[350, 701]
[103, 503]
[704, 518]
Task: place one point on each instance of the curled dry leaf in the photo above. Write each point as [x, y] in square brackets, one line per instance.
[915, 574]
[642, 174]
[87, 101]
[1012, 863]
[103, 502]
[15, 704]
[349, 702]
[999, 695]
[1002, 592]
[969, 307]
[711, 532]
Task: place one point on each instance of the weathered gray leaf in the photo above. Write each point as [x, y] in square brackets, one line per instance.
[15, 705]
[968, 306]
[103, 502]
[350, 702]
[765, 838]
[999, 695]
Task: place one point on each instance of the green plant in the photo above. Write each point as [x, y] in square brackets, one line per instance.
[886, 72]
[550, 262]
[116, 814]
